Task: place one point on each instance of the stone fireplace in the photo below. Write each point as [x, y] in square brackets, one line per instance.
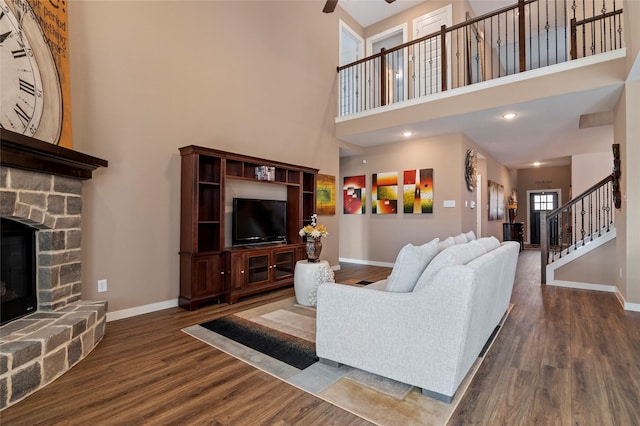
[41, 186]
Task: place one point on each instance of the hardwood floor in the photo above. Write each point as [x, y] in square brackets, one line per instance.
[564, 357]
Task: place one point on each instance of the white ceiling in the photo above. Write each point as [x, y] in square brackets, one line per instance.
[368, 12]
[516, 144]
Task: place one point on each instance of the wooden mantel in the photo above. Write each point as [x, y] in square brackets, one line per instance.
[23, 152]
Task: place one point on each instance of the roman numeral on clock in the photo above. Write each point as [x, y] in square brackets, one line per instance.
[27, 87]
[20, 53]
[22, 115]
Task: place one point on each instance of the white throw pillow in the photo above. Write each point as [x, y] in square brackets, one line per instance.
[489, 243]
[460, 239]
[409, 265]
[470, 236]
[460, 254]
[448, 242]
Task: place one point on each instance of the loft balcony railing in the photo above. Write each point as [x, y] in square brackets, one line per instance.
[525, 36]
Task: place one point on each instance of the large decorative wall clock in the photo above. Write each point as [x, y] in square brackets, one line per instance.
[30, 86]
[470, 173]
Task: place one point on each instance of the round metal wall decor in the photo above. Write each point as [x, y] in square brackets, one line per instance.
[470, 169]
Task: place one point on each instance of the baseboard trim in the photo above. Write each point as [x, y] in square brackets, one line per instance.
[366, 262]
[634, 307]
[584, 286]
[140, 310]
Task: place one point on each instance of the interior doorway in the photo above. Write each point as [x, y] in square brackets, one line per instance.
[395, 64]
[351, 49]
[427, 56]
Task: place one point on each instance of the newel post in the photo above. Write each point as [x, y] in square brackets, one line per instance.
[544, 247]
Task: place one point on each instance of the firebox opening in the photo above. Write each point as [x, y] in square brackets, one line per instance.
[17, 270]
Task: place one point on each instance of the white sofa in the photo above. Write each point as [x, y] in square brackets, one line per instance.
[431, 335]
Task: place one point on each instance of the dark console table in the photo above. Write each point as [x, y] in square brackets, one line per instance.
[513, 232]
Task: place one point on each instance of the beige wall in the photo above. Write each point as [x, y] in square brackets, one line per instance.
[538, 180]
[150, 77]
[594, 267]
[459, 8]
[589, 169]
[379, 238]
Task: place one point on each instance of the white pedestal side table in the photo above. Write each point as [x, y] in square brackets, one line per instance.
[305, 279]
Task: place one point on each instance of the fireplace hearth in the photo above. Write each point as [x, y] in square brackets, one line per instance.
[41, 200]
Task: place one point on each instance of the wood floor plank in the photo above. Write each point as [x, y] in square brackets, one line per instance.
[564, 356]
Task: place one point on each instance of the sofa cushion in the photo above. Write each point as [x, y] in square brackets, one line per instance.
[489, 243]
[460, 239]
[470, 236]
[448, 242]
[409, 264]
[459, 254]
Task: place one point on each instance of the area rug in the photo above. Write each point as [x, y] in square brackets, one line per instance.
[250, 336]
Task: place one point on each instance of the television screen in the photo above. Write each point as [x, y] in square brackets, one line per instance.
[258, 221]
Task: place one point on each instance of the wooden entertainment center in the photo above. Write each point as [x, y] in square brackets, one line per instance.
[209, 269]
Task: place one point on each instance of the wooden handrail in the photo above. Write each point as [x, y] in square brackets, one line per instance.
[492, 54]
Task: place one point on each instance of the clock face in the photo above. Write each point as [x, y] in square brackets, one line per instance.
[22, 96]
[30, 92]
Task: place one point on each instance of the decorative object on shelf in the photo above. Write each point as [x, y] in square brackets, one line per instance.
[321, 275]
[313, 233]
[470, 174]
[512, 205]
[266, 173]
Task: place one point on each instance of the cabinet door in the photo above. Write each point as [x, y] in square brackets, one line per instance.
[257, 268]
[284, 261]
[208, 279]
[237, 271]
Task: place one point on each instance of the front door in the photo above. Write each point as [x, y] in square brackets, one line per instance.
[539, 202]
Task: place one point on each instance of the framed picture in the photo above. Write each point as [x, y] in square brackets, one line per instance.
[326, 195]
[353, 195]
[496, 200]
[384, 193]
[418, 191]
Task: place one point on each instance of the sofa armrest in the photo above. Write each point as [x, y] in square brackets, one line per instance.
[396, 334]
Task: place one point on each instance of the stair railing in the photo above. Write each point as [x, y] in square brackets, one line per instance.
[527, 35]
[577, 222]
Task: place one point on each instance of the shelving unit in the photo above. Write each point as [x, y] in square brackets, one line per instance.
[210, 271]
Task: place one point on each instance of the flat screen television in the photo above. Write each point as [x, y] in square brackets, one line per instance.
[258, 221]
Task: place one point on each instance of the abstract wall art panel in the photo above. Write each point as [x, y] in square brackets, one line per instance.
[496, 200]
[353, 193]
[326, 195]
[384, 193]
[418, 191]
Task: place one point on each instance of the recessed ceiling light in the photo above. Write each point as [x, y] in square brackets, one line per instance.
[407, 134]
[537, 164]
[509, 116]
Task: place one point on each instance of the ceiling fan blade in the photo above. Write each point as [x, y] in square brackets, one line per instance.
[330, 6]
